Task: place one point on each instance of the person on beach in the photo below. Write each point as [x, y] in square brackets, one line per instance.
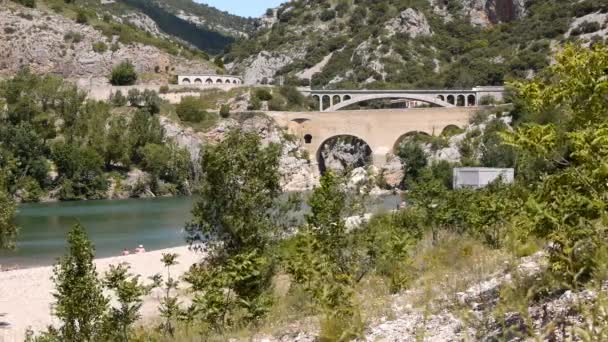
[125, 252]
[140, 249]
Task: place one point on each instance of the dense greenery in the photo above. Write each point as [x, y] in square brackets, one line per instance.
[52, 139]
[557, 201]
[457, 54]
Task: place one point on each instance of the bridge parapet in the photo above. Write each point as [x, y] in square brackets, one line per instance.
[332, 100]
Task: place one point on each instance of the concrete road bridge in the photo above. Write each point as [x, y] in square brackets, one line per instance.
[333, 100]
[382, 130]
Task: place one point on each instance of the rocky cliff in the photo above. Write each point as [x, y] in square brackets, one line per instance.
[50, 43]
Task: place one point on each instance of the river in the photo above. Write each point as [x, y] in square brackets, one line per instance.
[112, 225]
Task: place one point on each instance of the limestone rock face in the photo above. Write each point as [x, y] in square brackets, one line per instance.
[392, 171]
[264, 66]
[341, 155]
[411, 22]
[50, 43]
[184, 137]
[485, 12]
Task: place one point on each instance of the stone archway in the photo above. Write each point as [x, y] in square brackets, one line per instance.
[346, 98]
[451, 99]
[325, 102]
[330, 152]
[471, 100]
[219, 81]
[460, 101]
[407, 136]
[209, 81]
[441, 97]
[186, 81]
[197, 81]
[336, 99]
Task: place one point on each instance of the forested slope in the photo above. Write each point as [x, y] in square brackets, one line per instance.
[413, 43]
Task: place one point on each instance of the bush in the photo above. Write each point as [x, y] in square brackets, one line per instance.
[163, 89]
[72, 36]
[82, 17]
[586, 27]
[327, 15]
[100, 47]
[263, 94]
[27, 3]
[225, 111]
[123, 74]
[118, 99]
[190, 109]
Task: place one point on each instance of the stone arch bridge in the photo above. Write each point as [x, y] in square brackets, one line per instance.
[332, 100]
[382, 130]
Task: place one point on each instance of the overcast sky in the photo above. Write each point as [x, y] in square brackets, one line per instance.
[244, 8]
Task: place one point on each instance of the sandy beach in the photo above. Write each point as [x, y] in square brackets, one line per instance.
[26, 294]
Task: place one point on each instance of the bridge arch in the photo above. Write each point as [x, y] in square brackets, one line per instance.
[353, 140]
[405, 136]
[186, 81]
[209, 81]
[471, 100]
[414, 97]
[197, 81]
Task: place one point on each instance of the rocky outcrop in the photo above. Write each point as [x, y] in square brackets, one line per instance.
[144, 23]
[410, 22]
[184, 137]
[341, 155]
[50, 43]
[484, 12]
[262, 67]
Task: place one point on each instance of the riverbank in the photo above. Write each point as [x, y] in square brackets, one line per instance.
[26, 294]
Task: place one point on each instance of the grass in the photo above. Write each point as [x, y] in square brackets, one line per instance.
[440, 272]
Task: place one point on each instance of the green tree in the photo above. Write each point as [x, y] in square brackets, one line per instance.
[8, 228]
[263, 94]
[79, 301]
[414, 159]
[239, 189]
[191, 109]
[123, 74]
[225, 111]
[129, 292]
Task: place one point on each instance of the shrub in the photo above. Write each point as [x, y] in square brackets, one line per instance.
[190, 109]
[72, 36]
[82, 17]
[123, 74]
[27, 3]
[586, 27]
[9, 30]
[100, 47]
[327, 15]
[263, 94]
[118, 99]
[163, 89]
[225, 111]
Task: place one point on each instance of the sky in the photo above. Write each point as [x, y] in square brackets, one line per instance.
[244, 8]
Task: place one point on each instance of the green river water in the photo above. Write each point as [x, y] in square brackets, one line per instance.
[112, 225]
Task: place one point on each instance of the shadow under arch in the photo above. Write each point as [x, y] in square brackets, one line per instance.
[413, 135]
[345, 139]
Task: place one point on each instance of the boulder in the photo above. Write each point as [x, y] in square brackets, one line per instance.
[411, 22]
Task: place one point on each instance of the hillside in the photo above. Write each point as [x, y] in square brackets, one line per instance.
[49, 39]
[414, 43]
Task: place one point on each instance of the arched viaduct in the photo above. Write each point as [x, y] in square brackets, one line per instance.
[380, 129]
[332, 100]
